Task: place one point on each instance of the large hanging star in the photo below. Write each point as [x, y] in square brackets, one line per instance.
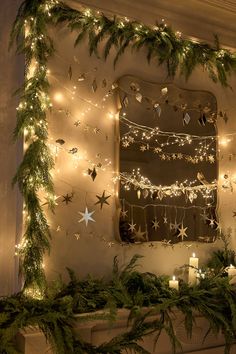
[67, 198]
[182, 232]
[139, 235]
[155, 224]
[102, 200]
[132, 227]
[86, 216]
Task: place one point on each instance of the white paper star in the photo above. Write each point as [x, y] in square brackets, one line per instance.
[86, 216]
[77, 235]
[182, 232]
[155, 224]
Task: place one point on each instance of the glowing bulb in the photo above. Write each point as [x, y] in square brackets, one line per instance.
[58, 97]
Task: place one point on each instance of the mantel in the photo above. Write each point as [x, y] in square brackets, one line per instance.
[195, 18]
[32, 341]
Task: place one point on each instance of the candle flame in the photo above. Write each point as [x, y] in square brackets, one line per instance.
[194, 255]
[173, 277]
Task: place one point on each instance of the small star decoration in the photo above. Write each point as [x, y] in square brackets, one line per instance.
[155, 224]
[67, 198]
[102, 200]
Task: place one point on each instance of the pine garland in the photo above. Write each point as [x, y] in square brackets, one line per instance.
[33, 175]
[29, 31]
[214, 299]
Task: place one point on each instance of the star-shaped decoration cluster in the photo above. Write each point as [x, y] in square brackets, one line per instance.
[86, 216]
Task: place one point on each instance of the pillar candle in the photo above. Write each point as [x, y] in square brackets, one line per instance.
[232, 274]
[193, 273]
[174, 283]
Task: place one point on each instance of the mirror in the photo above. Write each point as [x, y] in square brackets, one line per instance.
[168, 163]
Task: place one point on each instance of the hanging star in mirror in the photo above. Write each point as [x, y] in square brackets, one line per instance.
[182, 232]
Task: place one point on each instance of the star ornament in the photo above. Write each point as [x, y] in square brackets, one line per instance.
[139, 235]
[155, 224]
[132, 227]
[102, 199]
[182, 232]
[67, 198]
[86, 216]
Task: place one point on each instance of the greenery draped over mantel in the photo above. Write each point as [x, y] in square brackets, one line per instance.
[214, 299]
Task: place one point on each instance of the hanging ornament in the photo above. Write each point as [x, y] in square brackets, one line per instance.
[104, 83]
[67, 198]
[157, 109]
[226, 118]
[211, 222]
[211, 158]
[201, 178]
[160, 194]
[81, 77]
[155, 224]
[60, 141]
[139, 193]
[175, 226]
[139, 236]
[70, 72]
[182, 232]
[73, 151]
[92, 173]
[186, 119]
[145, 193]
[132, 227]
[94, 86]
[165, 221]
[102, 199]
[125, 102]
[192, 196]
[139, 97]
[58, 228]
[154, 195]
[202, 120]
[114, 85]
[77, 235]
[134, 86]
[77, 123]
[164, 91]
[86, 216]
[124, 214]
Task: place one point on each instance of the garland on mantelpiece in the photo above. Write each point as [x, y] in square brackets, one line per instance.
[30, 33]
[214, 299]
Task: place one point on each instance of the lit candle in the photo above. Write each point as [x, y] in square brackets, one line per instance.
[232, 274]
[193, 272]
[174, 283]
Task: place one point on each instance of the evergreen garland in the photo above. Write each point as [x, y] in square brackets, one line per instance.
[213, 298]
[30, 33]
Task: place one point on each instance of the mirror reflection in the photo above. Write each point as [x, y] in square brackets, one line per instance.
[168, 163]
